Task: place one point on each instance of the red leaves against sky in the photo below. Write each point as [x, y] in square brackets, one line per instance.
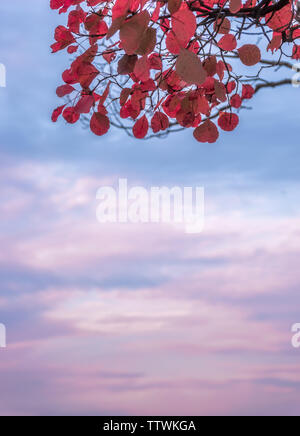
[156, 64]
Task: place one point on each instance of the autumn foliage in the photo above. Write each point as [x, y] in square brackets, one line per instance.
[153, 66]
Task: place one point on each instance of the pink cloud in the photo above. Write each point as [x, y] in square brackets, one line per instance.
[190, 342]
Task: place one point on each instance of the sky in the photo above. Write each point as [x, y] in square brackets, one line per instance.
[123, 319]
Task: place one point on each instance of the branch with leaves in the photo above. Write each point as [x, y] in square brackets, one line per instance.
[164, 66]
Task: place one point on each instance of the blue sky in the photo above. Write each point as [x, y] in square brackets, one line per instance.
[142, 320]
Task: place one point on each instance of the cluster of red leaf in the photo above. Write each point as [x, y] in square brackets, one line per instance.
[162, 63]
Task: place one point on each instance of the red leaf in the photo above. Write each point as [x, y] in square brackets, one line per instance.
[72, 49]
[69, 77]
[126, 64]
[57, 112]
[174, 5]
[159, 122]
[184, 25]
[228, 121]
[74, 21]
[235, 6]
[99, 124]
[296, 52]
[86, 74]
[149, 85]
[275, 43]
[64, 90]
[228, 42]
[132, 31]
[189, 68]
[281, 19]
[56, 4]
[185, 119]
[203, 105]
[247, 91]
[85, 104]
[206, 132]
[125, 93]
[222, 25]
[105, 94]
[236, 101]
[147, 42]
[230, 86]
[120, 8]
[63, 37]
[210, 65]
[142, 69]
[249, 54]
[155, 61]
[70, 115]
[173, 44]
[220, 91]
[141, 127]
